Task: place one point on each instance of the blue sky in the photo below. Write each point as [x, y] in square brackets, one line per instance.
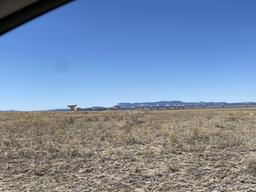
[98, 52]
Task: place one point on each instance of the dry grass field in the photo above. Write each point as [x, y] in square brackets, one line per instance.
[184, 150]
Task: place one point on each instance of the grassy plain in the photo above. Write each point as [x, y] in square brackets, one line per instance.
[182, 150]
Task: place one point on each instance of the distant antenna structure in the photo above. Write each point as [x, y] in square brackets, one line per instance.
[73, 107]
[116, 107]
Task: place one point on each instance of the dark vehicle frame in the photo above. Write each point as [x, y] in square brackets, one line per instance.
[14, 13]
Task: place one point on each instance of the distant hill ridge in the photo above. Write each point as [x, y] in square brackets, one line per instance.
[163, 104]
[156, 105]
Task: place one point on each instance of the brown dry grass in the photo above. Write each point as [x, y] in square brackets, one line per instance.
[186, 150]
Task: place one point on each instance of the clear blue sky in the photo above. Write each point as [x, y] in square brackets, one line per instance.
[98, 52]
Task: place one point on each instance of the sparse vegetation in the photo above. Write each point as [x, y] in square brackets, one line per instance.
[183, 150]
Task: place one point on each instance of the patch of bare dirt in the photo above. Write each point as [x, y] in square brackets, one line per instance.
[184, 150]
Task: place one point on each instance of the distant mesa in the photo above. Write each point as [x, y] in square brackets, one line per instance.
[182, 105]
[161, 105]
